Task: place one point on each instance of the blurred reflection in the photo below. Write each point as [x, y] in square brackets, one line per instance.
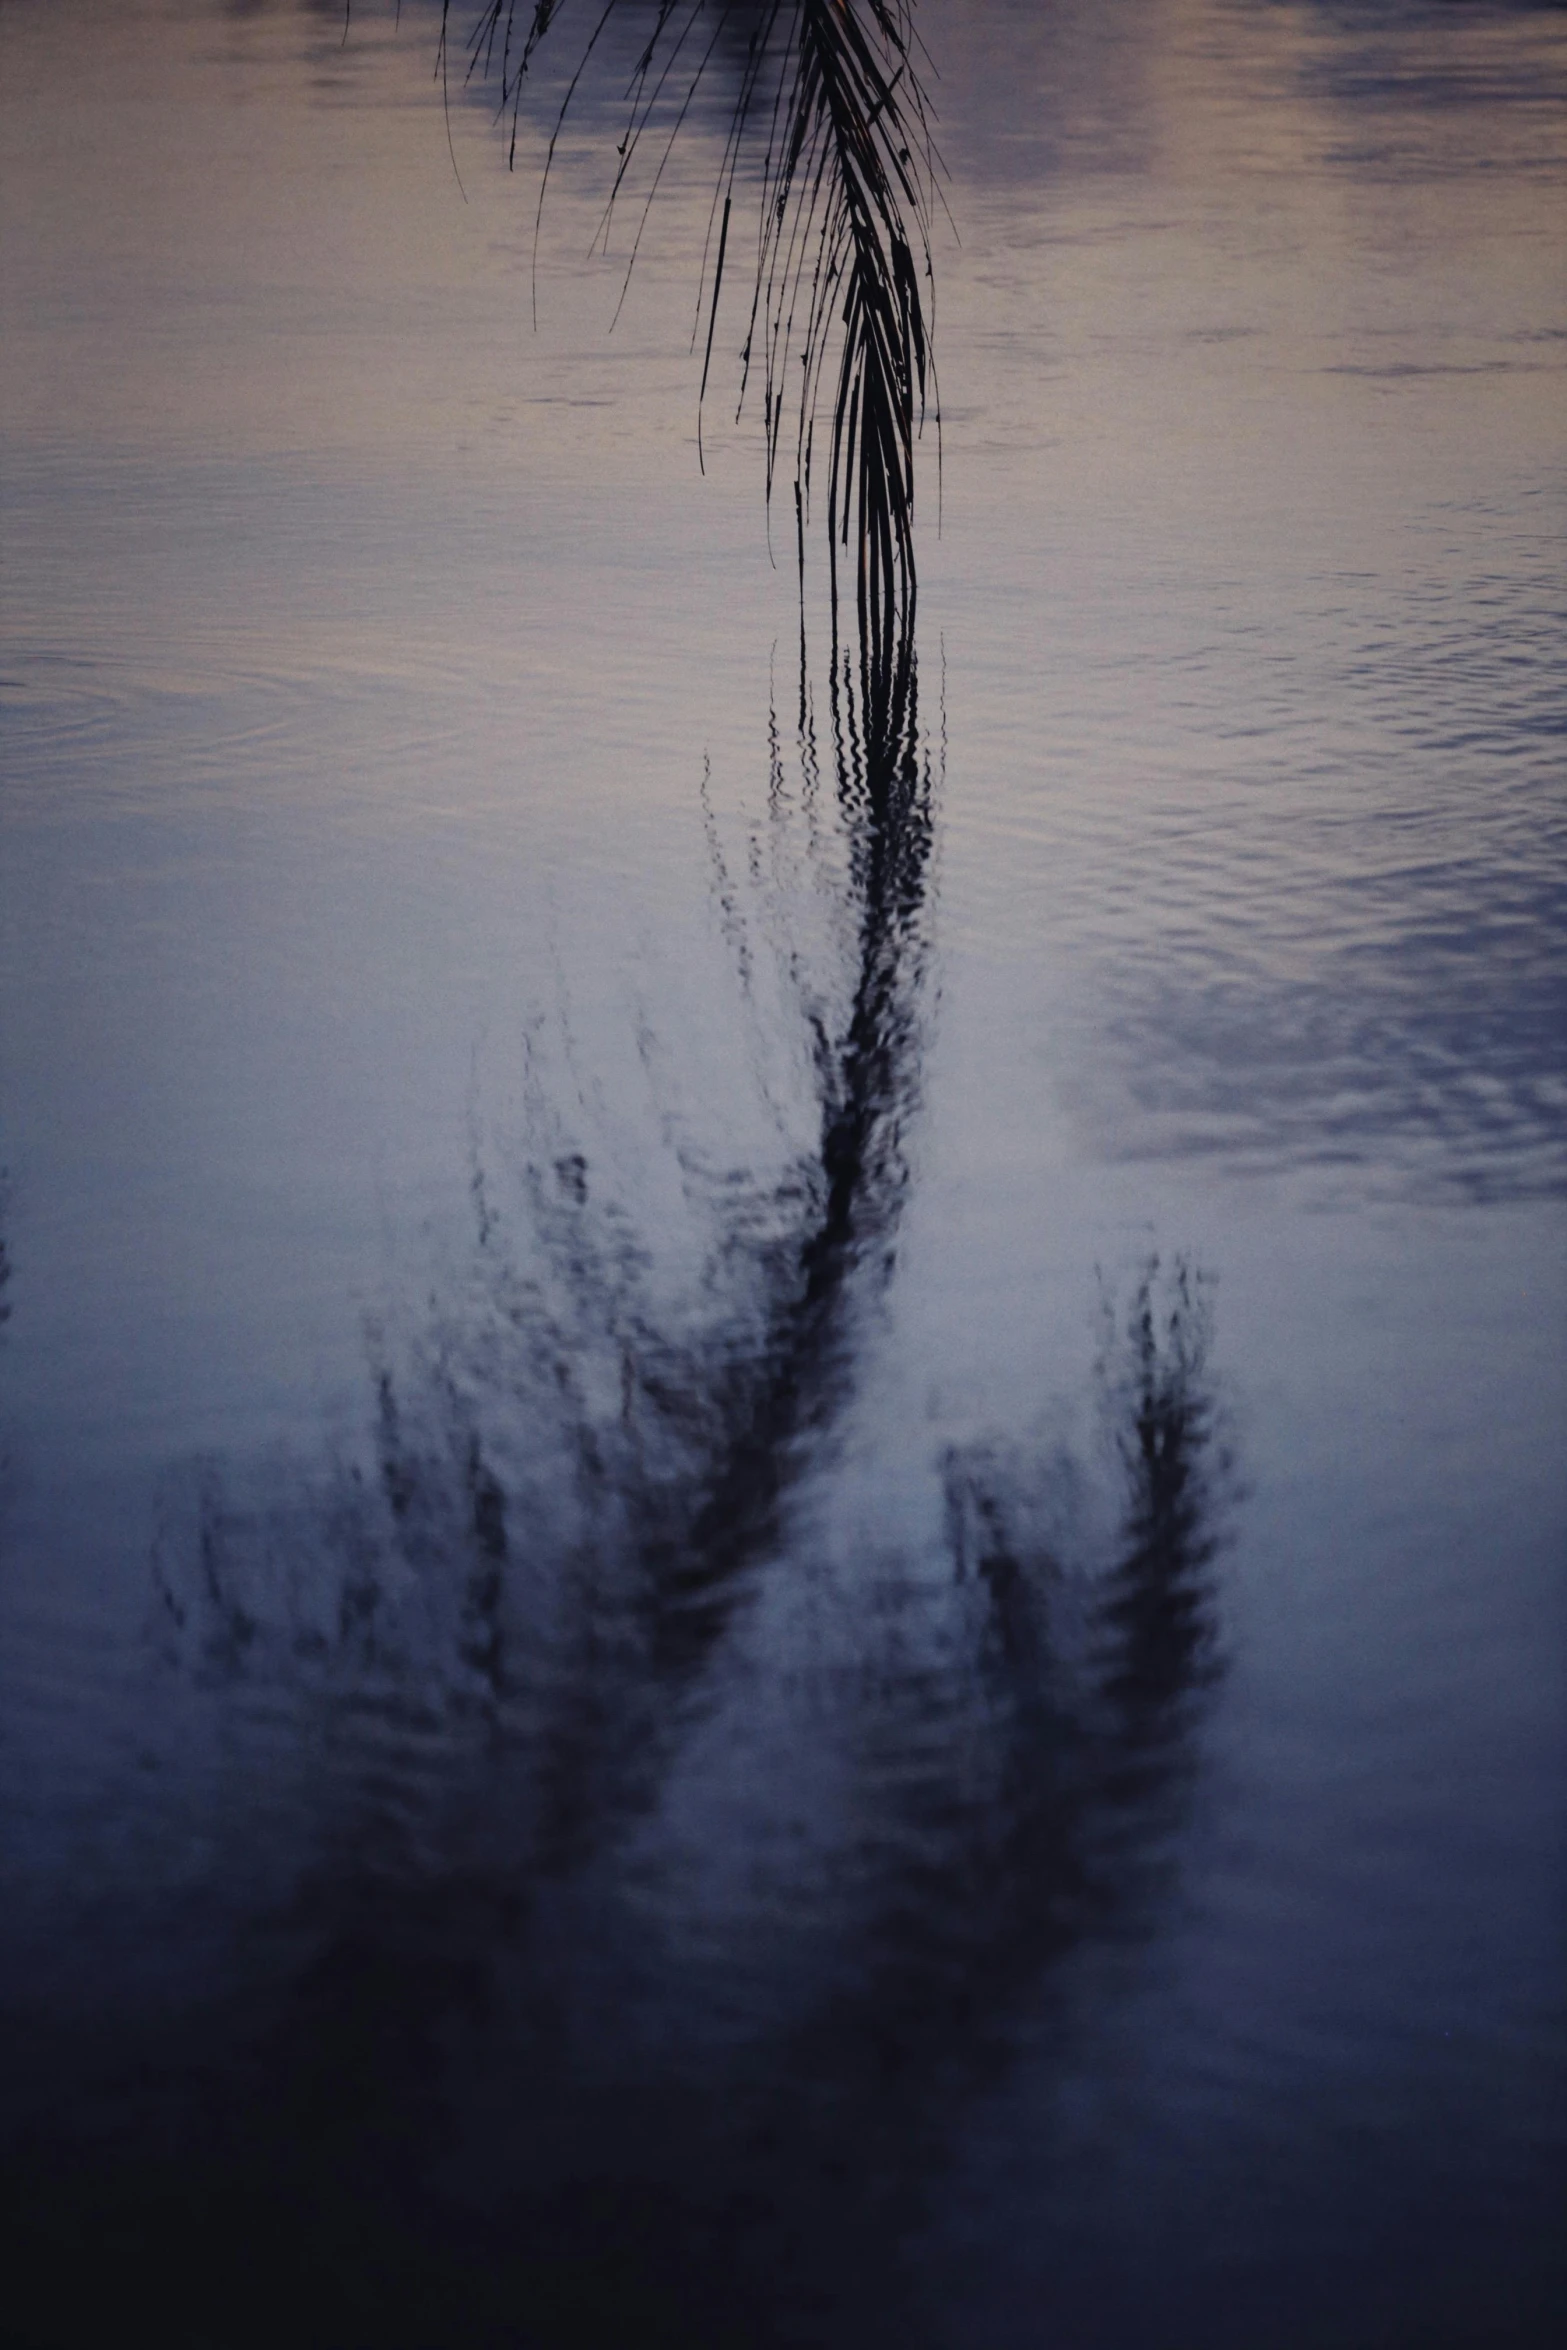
[666, 1874]
[647, 1454]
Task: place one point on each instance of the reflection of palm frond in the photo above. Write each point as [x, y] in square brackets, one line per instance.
[1156, 1617]
[511, 1864]
[649, 1450]
[831, 90]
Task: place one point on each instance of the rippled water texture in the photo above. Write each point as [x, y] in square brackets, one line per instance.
[783, 1492]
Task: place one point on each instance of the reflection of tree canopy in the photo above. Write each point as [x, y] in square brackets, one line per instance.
[691, 2029]
[645, 1877]
[649, 1453]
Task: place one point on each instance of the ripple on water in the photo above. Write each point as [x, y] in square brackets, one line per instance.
[1305, 912]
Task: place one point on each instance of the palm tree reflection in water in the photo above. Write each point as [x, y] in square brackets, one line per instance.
[676, 1878]
[663, 1872]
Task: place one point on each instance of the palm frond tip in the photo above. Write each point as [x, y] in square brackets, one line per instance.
[830, 113]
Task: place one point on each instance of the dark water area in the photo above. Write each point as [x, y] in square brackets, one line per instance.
[782, 1490]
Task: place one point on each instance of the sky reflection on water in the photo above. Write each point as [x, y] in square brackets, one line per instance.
[620, 1699]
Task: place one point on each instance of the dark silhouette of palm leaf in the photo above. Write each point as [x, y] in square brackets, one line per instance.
[830, 112]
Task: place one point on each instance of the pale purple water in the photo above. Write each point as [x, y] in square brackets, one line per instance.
[410, 938]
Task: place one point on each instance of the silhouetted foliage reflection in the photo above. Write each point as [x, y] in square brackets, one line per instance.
[648, 1453]
[1156, 1613]
[653, 1873]
[635, 1875]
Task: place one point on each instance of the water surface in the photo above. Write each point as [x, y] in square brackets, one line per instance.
[783, 1513]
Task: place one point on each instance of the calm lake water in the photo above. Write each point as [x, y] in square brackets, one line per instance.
[783, 1524]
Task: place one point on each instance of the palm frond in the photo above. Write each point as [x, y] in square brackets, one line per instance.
[830, 119]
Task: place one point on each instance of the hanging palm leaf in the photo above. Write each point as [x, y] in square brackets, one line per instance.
[830, 93]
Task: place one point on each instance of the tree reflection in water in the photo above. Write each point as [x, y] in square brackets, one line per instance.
[636, 1881]
[665, 1881]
